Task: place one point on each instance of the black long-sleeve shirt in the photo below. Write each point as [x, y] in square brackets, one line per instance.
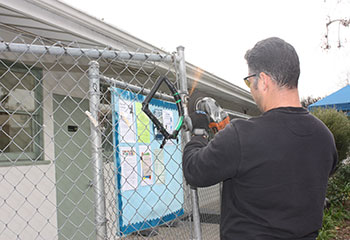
[274, 169]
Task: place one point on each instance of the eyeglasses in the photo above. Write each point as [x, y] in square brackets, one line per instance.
[247, 82]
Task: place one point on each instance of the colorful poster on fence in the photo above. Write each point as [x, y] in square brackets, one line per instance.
[146, 165]
[126, 121]
[159, 169]
[128, 163]
[149, 183]
[142, 124]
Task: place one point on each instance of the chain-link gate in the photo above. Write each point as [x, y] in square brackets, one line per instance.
[74, 162]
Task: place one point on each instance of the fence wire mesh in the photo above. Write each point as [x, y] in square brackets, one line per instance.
[47, 170]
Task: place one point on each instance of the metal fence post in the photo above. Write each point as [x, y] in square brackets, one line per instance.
[96, 148]
[186, 138]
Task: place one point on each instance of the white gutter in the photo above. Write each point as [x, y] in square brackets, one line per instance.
[237, 114]
[219, 84]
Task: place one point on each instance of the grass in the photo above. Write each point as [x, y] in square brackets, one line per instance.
[333, 219]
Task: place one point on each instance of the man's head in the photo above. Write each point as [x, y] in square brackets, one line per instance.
[273, 74]
[276, 58]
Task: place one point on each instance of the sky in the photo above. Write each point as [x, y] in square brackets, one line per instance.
[216, 34]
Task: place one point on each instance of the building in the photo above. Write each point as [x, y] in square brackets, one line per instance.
[339, 100]
[46, 172]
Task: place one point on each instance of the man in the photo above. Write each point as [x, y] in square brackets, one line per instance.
[274, 167]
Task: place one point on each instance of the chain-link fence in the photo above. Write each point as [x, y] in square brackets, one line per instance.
[78, 157]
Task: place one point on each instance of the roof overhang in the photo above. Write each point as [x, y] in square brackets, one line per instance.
[56, 21]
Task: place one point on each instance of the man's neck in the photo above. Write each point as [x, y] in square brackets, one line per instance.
[283, 98]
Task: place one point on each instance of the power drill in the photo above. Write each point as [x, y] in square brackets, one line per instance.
[218, 117]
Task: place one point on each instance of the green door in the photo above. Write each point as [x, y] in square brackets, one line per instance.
[75, 196]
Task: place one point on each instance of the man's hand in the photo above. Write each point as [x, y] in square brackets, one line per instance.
[200, 120]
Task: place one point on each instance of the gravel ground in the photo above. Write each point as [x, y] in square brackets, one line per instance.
[343, 233]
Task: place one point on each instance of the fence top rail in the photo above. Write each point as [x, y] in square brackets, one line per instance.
[89, 52]
[134, 88]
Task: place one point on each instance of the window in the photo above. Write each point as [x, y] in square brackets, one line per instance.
[20, 113]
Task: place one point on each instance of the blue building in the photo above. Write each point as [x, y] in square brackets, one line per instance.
[339, 100]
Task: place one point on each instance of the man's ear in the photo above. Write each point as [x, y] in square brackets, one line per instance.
[265, 80]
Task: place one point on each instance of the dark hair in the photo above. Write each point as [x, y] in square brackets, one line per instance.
[276, 58]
